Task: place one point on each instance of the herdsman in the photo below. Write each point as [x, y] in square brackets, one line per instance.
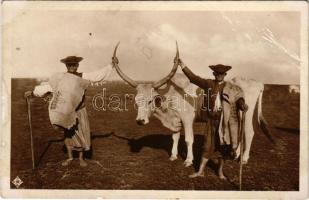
[211, 113]
[67, 111]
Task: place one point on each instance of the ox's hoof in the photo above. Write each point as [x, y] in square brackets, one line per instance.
[172, 158]
[244, 162]
[188, 163]
[222, 177]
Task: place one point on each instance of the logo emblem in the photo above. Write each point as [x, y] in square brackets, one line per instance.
[17, 182]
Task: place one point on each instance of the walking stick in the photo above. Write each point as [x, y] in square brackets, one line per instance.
[30, 127]
[242, 133]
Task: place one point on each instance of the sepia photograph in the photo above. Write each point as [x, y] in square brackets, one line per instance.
[154, 99]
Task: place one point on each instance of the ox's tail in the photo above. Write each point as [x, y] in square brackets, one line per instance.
[261, 120]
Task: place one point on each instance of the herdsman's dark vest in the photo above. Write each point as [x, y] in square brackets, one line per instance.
[210, 92]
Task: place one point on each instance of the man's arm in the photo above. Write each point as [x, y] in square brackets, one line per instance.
[98, 75]
[202, 83]
[39, 90]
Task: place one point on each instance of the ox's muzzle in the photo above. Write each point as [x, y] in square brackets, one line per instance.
[140, 122]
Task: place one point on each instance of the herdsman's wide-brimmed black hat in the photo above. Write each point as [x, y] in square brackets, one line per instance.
[71, 60]
[220, 69]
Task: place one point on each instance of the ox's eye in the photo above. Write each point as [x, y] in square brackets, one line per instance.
[149, 102]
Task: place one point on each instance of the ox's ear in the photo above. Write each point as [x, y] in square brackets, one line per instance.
[158, 100]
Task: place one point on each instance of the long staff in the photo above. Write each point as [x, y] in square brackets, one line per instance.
[30, 127]
[242, 134]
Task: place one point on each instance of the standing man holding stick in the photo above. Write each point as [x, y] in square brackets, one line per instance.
[211, 114]
[67, 110]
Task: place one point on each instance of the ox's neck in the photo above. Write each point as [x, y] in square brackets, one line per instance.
[169, 118]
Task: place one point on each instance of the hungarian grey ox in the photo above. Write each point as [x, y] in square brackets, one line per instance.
[174, 101]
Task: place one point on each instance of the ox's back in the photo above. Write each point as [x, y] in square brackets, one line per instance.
[182, 81]
[250, 87]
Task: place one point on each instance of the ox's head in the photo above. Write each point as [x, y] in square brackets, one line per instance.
[147, 98]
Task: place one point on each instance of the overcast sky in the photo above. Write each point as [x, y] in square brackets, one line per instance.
[261, 45]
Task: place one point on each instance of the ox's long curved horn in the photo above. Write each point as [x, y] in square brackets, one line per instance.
[120, 73]
[171, 74]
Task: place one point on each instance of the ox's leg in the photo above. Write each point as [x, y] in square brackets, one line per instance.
[249, 133]
[189, 138]
[174, 152]
[233, 128]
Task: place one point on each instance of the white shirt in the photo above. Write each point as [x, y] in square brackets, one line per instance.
[218, 106]
[95, 76]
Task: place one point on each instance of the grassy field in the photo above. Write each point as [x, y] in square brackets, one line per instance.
[136, 157]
